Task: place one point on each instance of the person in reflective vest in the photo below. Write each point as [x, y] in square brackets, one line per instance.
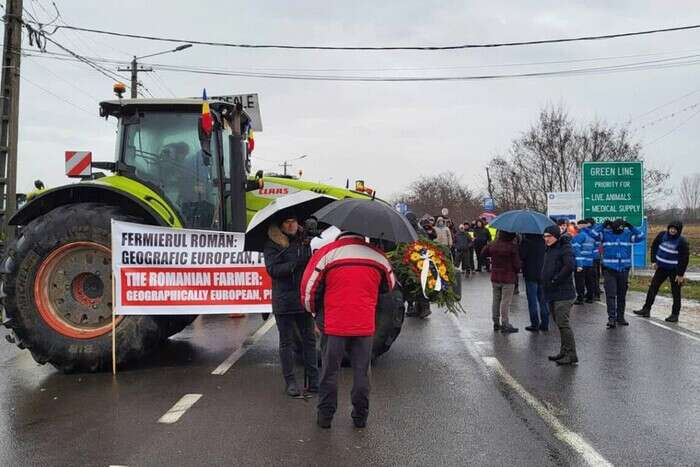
[584, 246]
[618, 237]
[669, 256]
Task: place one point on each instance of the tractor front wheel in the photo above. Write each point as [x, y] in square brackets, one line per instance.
[58, 291]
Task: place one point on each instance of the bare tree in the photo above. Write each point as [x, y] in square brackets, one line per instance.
[690, 196]
[429, 194]
[548, 157]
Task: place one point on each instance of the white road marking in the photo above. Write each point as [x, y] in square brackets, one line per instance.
[601, 307]
[239, 352]
[179, 409]
[677, 331]
[574, 440]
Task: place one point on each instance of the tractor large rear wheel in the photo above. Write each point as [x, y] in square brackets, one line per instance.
[58, 294]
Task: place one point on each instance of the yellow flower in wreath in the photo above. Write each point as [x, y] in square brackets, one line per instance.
[431, 283]
[415, 257]
[443, 270]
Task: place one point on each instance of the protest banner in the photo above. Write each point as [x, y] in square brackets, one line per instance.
[165, 271]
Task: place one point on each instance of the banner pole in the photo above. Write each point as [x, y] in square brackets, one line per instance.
[114, 334]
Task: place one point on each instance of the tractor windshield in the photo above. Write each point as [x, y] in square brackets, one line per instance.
[164, 149]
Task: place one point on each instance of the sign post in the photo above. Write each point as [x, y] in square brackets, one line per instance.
[613, 190]
[163, 271]
[564, 205]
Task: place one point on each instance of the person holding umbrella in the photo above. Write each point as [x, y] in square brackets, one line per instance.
[286, 255]
[275, 231]
[350, 267]
[505, 264]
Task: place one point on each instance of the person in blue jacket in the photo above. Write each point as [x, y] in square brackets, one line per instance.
[585, 251]
[617, 236]
[670, 254]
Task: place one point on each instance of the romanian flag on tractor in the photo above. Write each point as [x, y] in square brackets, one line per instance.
[251, 140]
[206, 121]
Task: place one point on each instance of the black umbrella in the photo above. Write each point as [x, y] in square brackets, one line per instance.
[300, 204]
[371, 218]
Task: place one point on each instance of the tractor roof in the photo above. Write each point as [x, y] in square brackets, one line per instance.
[117, 107]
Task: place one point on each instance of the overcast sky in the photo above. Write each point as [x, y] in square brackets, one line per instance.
[384, 133]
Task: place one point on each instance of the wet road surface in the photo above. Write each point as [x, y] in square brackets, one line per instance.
[449, 392]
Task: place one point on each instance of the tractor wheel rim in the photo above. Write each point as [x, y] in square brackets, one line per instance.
[73, 291]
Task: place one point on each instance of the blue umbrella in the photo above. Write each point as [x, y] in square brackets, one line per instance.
[522, 221]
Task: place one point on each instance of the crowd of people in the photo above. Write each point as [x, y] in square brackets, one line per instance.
[564, 266]
[465, 241]
[561, 268]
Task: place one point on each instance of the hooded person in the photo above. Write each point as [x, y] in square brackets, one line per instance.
[558, 289]
[444, 234]
[617, 236]
[670, 254]
[286, 255]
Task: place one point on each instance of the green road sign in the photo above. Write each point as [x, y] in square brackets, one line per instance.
[613, 190]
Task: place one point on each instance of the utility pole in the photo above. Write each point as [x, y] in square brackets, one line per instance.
[490, 187]
[134, 69]
[9, 113]
[284, 165]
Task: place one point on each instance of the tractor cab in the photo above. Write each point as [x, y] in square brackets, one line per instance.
[200, 172]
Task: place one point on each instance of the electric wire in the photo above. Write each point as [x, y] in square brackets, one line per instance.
[673, 130]
[57, 96]
[383, 48]
[688, 60]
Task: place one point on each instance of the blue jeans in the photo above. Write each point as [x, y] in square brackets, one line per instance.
[535, 301]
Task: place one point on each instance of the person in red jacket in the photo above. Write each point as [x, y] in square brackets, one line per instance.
[341, 286]
[505, 264]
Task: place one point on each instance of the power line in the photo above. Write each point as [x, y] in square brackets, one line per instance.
[51, 93]
[673, 62]
[695, 114]
[70, 83]
[385, 48]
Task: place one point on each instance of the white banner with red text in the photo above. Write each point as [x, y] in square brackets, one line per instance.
[164, 271]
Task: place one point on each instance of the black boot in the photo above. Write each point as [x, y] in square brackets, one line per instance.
[496, 327]
[292, 389]
[556, 357]
[568, 360]
[644, 312]
[323, 422]
[611, 324]
[508, 329]
[672, 319]
[578, 301]
[622, 322]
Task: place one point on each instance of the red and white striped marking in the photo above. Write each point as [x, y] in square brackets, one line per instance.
[78, 163]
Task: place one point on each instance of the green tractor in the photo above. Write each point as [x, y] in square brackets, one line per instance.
[56, 287]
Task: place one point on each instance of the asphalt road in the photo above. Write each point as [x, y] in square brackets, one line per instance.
[450, 392]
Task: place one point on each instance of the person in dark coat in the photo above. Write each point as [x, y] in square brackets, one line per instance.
[559, 292]
[463, 245]
[532, 249]
[670, 254]
[286, 256]
[505, 264]
[482, 237]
